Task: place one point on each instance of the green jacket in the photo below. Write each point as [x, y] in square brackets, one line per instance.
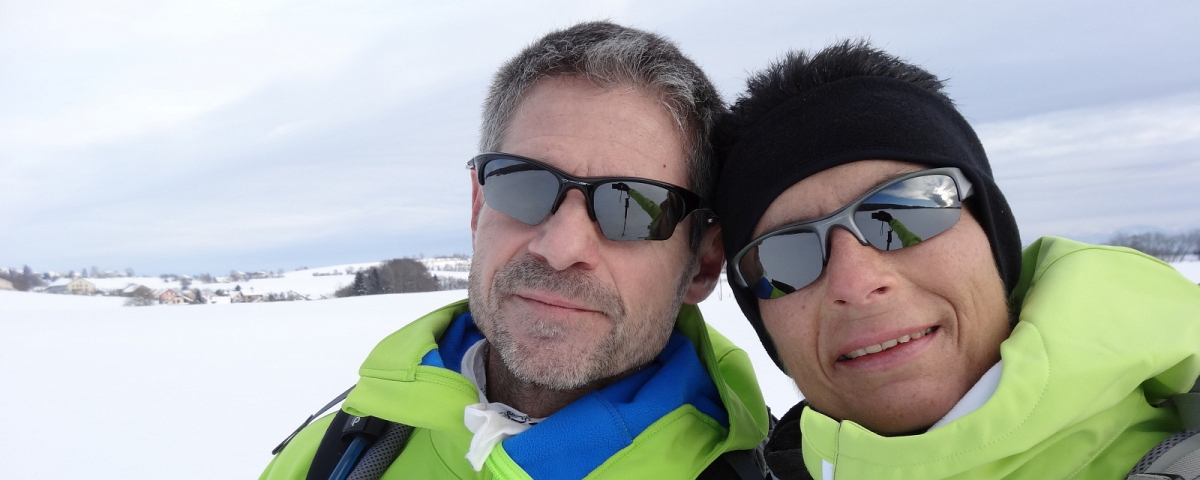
[907, 237]
[1105, 334]
[412, 377]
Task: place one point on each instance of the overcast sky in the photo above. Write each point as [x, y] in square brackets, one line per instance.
[205, 136]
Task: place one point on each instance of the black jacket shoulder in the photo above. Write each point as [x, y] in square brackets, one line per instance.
[783, 452]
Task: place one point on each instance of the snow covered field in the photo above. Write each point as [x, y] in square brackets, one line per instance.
[1190, 270]
[313, 282]
[97, 390]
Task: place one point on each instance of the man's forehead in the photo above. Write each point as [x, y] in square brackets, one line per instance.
[588, 130]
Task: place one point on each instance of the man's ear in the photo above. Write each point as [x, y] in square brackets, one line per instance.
[708, 273]
[476, 204]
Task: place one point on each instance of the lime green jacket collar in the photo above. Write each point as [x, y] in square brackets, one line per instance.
[394, 370]
[1104, 334]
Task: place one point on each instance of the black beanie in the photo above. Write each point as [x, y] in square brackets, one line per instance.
[858, 118]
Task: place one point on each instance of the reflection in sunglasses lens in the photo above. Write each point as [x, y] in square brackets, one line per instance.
[789, 261]
[901, 215]
[909, 212]
[520, 190]
[632, 210]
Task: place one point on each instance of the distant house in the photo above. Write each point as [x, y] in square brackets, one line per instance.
[76, 286]
[80, 286]
[177, 300]
[165, 295]
[135, 290]
[292, 296]
[243, 297]
[195, 297]
[58, 286]
[252, 298]
[6, 285]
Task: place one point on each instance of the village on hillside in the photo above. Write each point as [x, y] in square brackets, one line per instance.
[303, 284]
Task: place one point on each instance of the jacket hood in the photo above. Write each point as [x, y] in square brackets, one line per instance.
[1105, 334]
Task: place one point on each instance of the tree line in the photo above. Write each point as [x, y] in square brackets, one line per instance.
[398, 275]
[24, 279]
[1167, 247]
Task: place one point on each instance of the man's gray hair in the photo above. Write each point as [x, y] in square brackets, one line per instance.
[611, 55]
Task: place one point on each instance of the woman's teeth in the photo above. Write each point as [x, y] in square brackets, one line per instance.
[888, 344]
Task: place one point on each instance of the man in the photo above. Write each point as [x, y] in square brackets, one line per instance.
[572, 357]
[925, 345]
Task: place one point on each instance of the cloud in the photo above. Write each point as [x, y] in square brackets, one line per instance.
[934, 190]
[1094, 170]
[216, 134]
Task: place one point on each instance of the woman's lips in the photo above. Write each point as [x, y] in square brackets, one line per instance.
[886, 345]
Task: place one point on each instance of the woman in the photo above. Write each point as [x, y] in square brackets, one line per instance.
[868, 244]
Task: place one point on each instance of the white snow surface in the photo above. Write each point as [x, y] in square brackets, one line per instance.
[1190, 270]
[97, 390]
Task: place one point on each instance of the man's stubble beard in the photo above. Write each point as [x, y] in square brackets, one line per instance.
[621, 349]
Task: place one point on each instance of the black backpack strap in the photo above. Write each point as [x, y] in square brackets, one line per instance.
[376, 461]
[310, 419]
[331, 449]
[341, 437]
[1188, 406]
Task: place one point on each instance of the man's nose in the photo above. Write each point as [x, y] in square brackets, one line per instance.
[568, 238]
[856, 274]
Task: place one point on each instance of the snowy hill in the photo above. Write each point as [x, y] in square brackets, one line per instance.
[97, 390]
[314, 282]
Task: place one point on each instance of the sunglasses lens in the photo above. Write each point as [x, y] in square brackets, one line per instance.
[909, 212]
[782, 264]
[521, 190]
[636, 211]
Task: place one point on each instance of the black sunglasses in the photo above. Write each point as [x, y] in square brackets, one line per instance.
[909, 209]
[627, 208]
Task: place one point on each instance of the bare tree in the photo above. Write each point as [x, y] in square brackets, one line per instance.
[141, 298]
[1167, 247]
[404, 275]
[451, 283]
[24, 281]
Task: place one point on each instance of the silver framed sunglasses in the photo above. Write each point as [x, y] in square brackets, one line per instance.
[899, 213]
